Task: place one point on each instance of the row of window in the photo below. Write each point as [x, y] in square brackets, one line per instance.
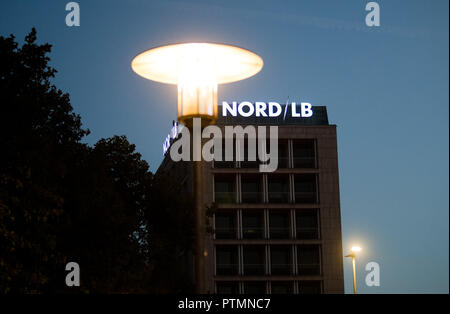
[291, 154]
[260, 188]
[260, 260]
[302, 224]
[268, 287]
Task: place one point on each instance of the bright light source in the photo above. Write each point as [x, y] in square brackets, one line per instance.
[197, 69]
[356, 249]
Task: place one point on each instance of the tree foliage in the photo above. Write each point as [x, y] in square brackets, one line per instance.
[62, 200]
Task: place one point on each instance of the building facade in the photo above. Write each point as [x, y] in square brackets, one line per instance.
[277, 232]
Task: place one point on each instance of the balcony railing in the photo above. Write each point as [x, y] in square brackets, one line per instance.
[283, 162]
[279, 233]
[253, 233]
[309, 288]
[224, 164]
[225, 197]
[282, 288]
[281, 269]
[304, 162]
[225, 233]
[254, 287]
[307, 233]
[249, 164]
[308, 269]
[278, 197]
[254, 269]
[305, 197]
[227, 269]
[251, 197]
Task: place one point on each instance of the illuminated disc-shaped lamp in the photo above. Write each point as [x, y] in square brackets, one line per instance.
[197, 69]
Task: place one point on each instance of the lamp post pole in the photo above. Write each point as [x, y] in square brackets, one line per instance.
[197, 69]
[353, 256]
[354, 273]
[200, 252]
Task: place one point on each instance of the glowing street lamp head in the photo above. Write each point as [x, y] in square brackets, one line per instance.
[197, 69]
[356, 249]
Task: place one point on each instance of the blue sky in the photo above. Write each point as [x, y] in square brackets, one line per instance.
[386, 89]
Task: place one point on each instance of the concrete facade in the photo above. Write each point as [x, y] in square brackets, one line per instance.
[328, 278]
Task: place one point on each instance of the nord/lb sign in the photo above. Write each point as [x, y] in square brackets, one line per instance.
[262, 109]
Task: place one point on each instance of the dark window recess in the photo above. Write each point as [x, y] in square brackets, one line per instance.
[282, 287]
[254, 260]
[225, 189]
[251, 186]
[304, 154]
[255, 287]
[283, 154]
[224, 163]
[305, 188]
[281, 260]
[310, 287]
[246, 161]
[226, 260]
[278, 189]
[225, 225]
[306, 225]
[279, 225]
[308, 260]
[227, 287]
[252, 225]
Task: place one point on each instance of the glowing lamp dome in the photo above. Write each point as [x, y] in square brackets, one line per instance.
[197, 69]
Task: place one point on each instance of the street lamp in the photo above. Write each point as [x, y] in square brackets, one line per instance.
[197, 69]
[355, 249]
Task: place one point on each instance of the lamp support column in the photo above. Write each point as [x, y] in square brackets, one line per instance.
[197, 69]
[199, 248]
[354, 274]
[199, 229]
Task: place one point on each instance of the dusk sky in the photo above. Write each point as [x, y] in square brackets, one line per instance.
[386, 89]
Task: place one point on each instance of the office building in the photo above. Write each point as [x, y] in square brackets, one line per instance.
[277, 232]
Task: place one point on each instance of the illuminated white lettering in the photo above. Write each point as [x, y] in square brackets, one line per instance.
[226, 107]
[294, 110]
[271, 107]
[246, 104]
[261, 109]
[306, 110]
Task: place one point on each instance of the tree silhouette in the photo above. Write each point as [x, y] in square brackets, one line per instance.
[63, 201]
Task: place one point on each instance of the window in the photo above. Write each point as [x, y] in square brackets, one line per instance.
[225, 225]
[227, 287]
[225, 188]
[308, 260]
[281, 260]
[226, 260]
[246, 163]
[305, 188]
[224, 163]
[251, 186]
[278, 188]
[255, 287]
[254, 260]
[283, 154]
[306, 224]
[304, 154]
[279, 225]
[309, 287]
[282, 287]
[253, 225]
